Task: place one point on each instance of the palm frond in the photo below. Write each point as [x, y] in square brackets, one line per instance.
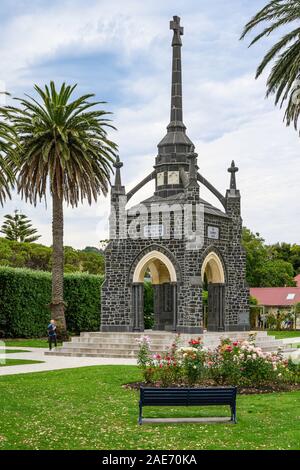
[62, 145]
[284, 55]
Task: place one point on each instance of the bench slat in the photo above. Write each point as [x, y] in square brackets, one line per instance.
[186, 402]
[188, 397]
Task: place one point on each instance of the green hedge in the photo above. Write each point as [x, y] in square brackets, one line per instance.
[25, 294]
[82, 293]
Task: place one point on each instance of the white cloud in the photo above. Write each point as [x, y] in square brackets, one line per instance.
[64, 29]
[267, 155]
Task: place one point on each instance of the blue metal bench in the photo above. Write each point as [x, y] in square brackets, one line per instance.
[209, 396]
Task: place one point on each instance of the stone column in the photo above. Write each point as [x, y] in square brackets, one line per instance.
[174, 304]
[189, 316]
[138, 306]
[237, 291]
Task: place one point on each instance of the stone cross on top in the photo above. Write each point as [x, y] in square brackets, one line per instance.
[233, 170]
[118, 165]
[178, 31]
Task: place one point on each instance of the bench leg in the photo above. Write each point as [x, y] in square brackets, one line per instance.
[233, 414]
[141, 414]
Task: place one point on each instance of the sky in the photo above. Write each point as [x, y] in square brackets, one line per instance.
[121, 51]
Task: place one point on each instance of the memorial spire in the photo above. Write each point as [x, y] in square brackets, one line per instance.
[176, 141]
[176, 90]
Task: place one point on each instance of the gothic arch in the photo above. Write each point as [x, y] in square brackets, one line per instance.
[149, 258]
[213, 265]
[160, 266]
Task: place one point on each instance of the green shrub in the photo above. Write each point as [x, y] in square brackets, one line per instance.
[25, 295]
[254, 312]
[148, 305]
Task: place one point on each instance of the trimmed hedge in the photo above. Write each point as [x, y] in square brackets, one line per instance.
[82, 293]
[25, 295]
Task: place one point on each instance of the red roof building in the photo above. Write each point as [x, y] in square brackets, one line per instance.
[276, 296]
[272, 300]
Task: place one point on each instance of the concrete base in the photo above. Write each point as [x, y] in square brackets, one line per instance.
[189, 330]
[114, 344]
[242, 327]
[116, 328]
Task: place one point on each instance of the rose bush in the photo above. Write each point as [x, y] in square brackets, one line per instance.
[191, 362]
[231, 363]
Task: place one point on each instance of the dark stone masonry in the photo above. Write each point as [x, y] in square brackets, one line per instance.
[177, 239]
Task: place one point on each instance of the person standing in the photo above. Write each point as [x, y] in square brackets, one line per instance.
[52, 336]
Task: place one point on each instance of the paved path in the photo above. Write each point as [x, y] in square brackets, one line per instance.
[293, 340]
[61, 362]
[54, 362]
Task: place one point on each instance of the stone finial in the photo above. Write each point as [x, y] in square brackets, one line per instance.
[192, 157]
[233, 170]
[178, 31]
[118, 165]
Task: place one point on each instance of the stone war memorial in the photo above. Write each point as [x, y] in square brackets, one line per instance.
[176, 239]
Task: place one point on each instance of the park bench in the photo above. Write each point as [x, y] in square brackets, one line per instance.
[209, 396]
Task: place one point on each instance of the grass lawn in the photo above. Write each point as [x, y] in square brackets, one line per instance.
[27, 343]
[17, 362]
[284, 334]
[87, 408]
[13, 351]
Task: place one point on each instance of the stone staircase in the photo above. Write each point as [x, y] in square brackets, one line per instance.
[124, 345]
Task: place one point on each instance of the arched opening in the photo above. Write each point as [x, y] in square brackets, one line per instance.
[156, 269]
[213, 278]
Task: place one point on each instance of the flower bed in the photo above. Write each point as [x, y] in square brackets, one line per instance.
[238, 363]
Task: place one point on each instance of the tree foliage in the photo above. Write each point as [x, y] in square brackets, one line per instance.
[287, 252]
[18, 227]
[39, 257]
[7, 175]
[269, 265]
[283, 56]
[277, 273]
[148, 305]
[61, 144]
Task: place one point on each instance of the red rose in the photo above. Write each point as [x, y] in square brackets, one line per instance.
[194, 342]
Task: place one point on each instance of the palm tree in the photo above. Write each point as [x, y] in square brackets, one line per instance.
[283, 80]
[18, 227]
[6, 171]
[63, 149]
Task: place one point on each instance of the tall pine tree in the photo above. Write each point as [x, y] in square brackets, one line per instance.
[19, 228]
